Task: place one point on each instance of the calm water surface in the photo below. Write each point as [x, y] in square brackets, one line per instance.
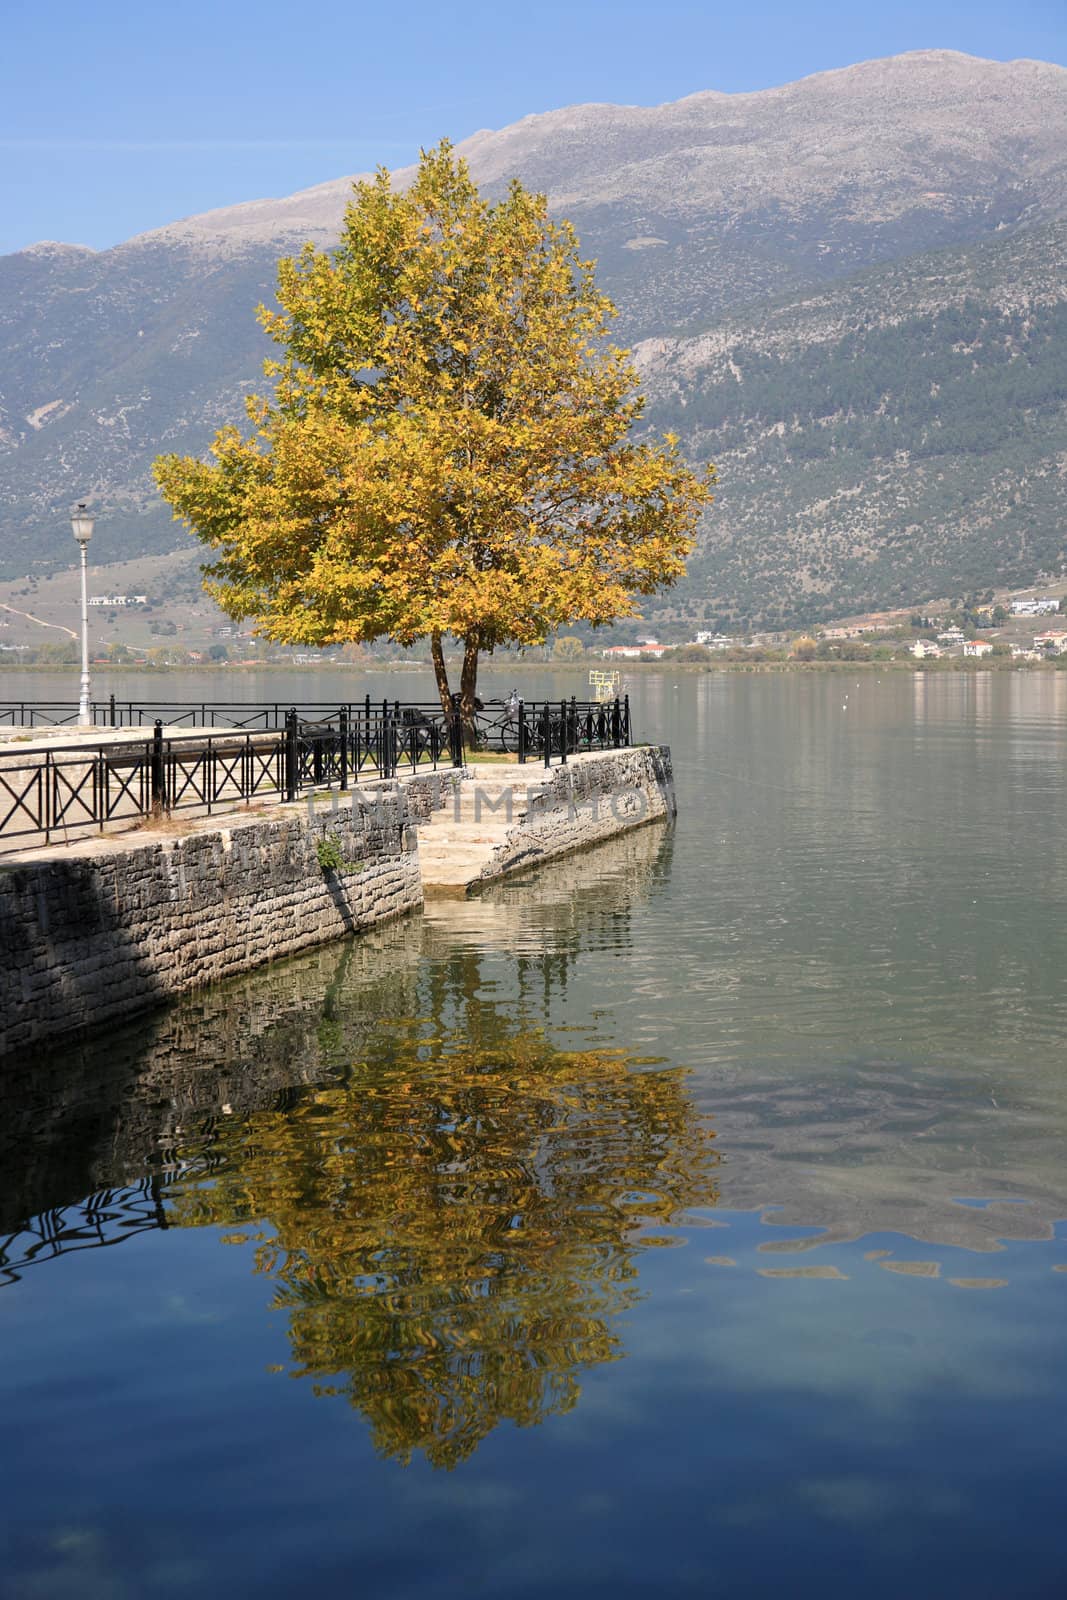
[685, 1218]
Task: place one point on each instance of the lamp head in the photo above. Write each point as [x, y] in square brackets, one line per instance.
[82, 523]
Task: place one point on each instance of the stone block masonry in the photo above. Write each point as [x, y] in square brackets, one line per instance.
[592, 798]
[108, 927]
[507, 818]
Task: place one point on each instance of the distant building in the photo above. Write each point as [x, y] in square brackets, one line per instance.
[977, 647]
[951, 636]
[634, 651]
[1035, 607]
[1053, 644]
[925, 647]
[99, 600]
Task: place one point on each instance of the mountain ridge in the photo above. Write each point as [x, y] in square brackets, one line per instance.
[697, 211]
[326, 200]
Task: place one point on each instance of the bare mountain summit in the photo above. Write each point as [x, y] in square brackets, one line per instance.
[933, 132]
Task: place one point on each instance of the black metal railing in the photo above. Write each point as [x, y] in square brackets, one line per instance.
[64, 792]
[105, 1218]
[576, 725]
[255, 715]
[543, 729]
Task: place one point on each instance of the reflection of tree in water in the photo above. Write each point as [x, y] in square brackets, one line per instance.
[452, 1226]
[454, 1229]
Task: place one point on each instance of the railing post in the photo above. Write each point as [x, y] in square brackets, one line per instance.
[342, 724]
[103, 786]
[563, 732]
[626, 720]
[546, 729]
[456, 732]
[46, 798]
[112, 718]
[292, 755]
[158, 783]
[522, 733]
[616, 724]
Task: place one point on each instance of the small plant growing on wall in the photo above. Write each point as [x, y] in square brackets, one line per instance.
[329, 853]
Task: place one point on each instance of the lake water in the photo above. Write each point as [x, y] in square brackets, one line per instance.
[686, 1218]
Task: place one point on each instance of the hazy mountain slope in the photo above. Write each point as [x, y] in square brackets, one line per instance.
[897, 435]
[106, 361]
[694, 209]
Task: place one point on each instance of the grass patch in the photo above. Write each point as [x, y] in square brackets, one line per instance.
[173, 827]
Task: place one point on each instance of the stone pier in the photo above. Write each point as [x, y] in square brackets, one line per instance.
[508, 818]
[110, 925]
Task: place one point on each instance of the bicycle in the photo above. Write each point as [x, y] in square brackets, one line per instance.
[497, 726]
[500, 726]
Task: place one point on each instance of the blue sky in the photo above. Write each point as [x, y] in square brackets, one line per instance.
[116, 117]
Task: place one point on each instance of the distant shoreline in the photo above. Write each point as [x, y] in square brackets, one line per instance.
[582, 666]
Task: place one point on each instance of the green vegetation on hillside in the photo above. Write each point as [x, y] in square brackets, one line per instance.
[897, 438]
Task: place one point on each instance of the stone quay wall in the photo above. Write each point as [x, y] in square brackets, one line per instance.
[593, 797]
[108, 927]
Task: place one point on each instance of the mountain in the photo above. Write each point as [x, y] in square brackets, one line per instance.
[754, 219]
[897, 435]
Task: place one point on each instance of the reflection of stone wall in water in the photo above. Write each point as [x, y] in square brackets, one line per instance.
[102, 1111]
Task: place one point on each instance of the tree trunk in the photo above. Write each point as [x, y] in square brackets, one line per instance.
[468, 685]
[440, 672]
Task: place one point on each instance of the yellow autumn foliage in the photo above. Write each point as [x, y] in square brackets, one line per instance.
[449, 449]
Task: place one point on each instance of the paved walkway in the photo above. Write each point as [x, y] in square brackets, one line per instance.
[457, 844]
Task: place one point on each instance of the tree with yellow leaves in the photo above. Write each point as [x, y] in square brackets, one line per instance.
[449, 448]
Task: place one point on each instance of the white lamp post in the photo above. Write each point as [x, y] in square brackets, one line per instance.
[82, 523]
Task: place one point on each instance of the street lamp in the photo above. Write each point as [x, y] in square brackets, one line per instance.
[82, 524]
